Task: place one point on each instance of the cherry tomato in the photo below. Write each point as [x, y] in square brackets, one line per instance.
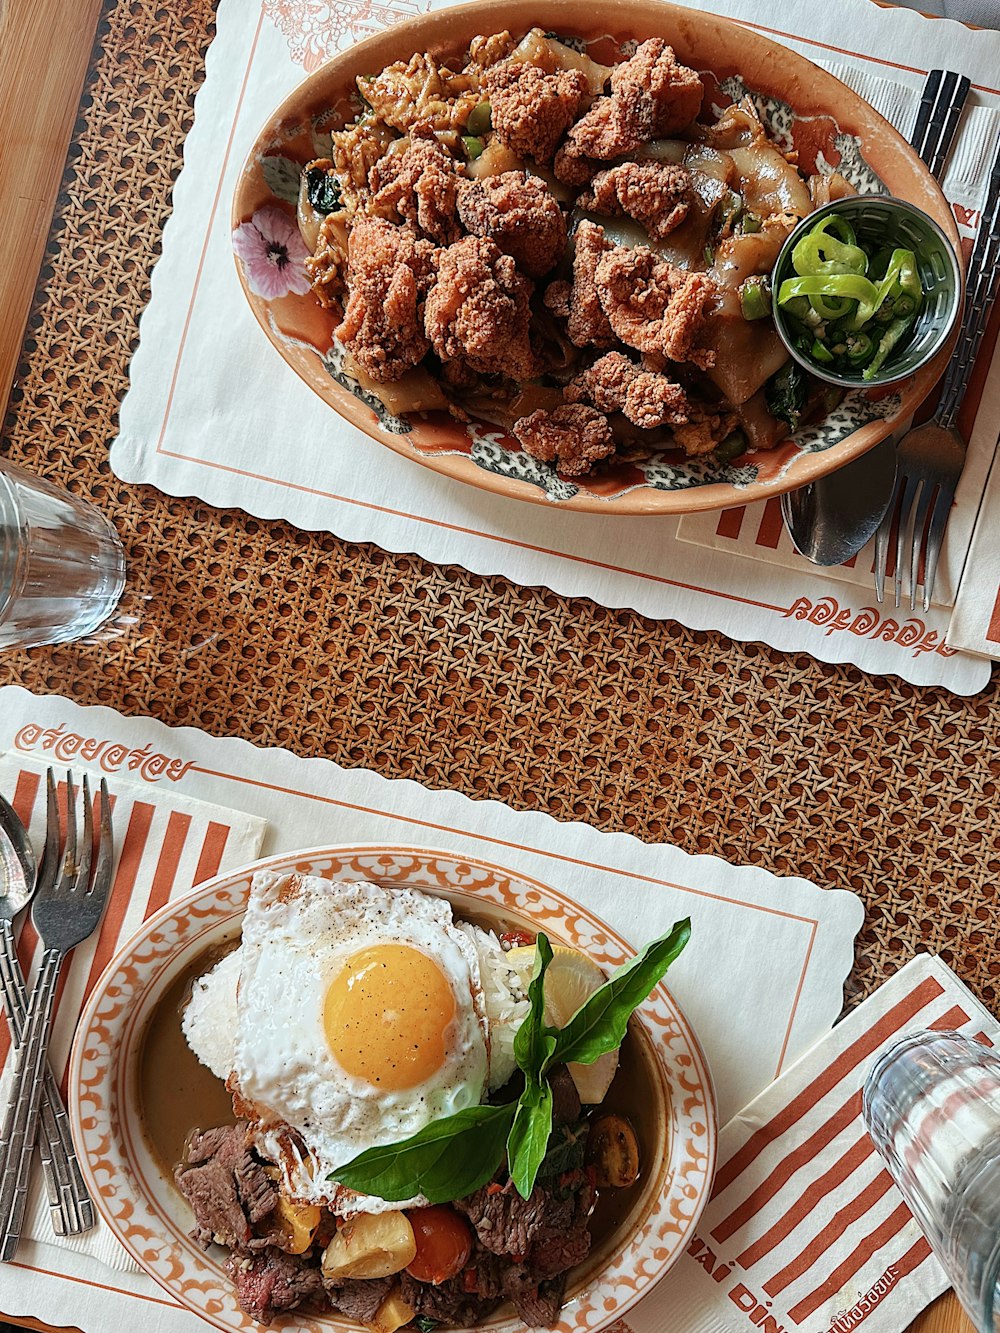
[444, 1242]
[516, 938]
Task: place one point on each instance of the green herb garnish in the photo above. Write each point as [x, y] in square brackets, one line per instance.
[785, 394]
[452, 1157]
[323, 190]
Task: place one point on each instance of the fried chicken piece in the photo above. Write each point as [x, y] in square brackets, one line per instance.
[401, 95]
[572, 167]
[704, 431]
[389, 272]
[653, 306]
[532, 110]
[578, 302]
[574, 437]
[651, 95]
[485, 52]
[654, 193]
[478, 310]
[615, 384]
[419, 185]
[517, 212]
[327, 265]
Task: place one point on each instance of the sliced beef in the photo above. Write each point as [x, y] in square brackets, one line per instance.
[226, 1187]
[504, 1222]
[537, 1303]
[272, 1281]
[449, 1302]
[359, 1298]
[562, 1238]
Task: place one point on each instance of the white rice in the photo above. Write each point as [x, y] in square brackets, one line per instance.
[505, 999]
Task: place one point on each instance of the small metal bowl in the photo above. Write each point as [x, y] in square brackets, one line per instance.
[880, 220]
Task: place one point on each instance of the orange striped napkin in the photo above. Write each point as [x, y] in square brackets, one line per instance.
[165, 843]
[805, 1229]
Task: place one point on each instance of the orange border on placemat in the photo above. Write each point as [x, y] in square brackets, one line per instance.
[993, 629]
[401, 513]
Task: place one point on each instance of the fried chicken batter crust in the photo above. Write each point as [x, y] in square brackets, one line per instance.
[651, 95]
[418, 185]
[615, 384]
[532, 110]
[578, 302]
[477, 311]
[654, 193]
[517, 212]
[574, 437]
[389, 272]
[653, 306]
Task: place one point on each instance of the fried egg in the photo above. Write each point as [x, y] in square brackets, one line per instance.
[360, 1016]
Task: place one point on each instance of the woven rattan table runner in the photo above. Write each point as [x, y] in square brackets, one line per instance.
[258, 630]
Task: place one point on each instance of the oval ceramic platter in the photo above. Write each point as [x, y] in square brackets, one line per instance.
[804, 108]
[152, 1220]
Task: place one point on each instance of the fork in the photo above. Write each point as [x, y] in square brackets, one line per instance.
[931, 456]
[68, 905]
[71, 1208]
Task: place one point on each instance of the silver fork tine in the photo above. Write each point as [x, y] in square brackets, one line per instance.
[106, 847]
[50, 858]
[86, 850]
[68, 871]
[882, 541]
[917, 544]
[935, 538]
[905, 517]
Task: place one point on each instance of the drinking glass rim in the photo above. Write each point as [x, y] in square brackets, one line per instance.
[13, 540]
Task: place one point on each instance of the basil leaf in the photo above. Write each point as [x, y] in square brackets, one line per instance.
[323, 191]
[599, 1025]
[566, 1150]
[529, 1136]
[446, 1160]
[533, 1041]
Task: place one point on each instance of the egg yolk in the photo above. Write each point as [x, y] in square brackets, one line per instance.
[387, 1015]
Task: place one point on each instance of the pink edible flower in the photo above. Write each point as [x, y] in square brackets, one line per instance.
[273, 254]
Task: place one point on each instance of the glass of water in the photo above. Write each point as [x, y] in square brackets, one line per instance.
[62, 567]
[931, 1104]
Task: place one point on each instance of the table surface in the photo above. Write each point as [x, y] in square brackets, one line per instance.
[375, 659]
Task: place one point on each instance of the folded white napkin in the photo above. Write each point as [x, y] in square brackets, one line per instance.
[805, 1229]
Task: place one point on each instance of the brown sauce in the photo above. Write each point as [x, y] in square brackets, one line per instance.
[178, 1094]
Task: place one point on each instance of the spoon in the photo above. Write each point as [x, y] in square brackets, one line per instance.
[830, 521]
[20, 846]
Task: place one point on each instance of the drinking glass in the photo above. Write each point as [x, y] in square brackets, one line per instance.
[931, 1104]
[62, 568]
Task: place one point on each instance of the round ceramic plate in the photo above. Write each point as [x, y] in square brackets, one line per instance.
[152, 1220]
[805, 109]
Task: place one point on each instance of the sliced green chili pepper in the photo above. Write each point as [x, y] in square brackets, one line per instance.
[755, 297]
[860, 349]
[750, 222]
[731, 447]
[850, 285]
[473, 146]
[847, 287]
[888, 343]
[480, 119]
